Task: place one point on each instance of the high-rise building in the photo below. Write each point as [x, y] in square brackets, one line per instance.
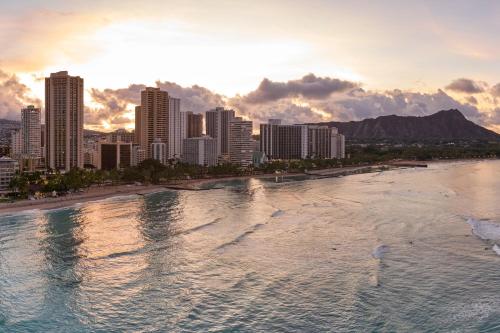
[153, 118]
[159, 119]
[31, 132]
[138, 129]
[240, 141]
[194, 124]
[300, 141]
[64, 121]
[217, 126]
[114, 155]
[200, 151]
[285, 142]
[174, 129]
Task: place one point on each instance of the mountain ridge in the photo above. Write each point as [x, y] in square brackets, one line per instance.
[444, 124]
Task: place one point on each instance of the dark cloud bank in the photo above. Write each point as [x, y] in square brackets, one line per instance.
[309, 99]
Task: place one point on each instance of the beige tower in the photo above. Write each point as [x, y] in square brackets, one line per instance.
[153, 118]
[64, 121]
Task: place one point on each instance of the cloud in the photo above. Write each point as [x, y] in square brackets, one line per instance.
[374, 104]
[310, 86]
[14, 95]
[471, 100]
[495, 90]
[466, 86]
[197, 99]
[113, 104]
[113, 108]
[293, 101]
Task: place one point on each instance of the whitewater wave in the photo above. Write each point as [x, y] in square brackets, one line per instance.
[485, 230]
[496, 248]
[380, 251]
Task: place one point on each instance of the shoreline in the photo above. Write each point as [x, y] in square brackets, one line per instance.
[91, 194]
[105, 192]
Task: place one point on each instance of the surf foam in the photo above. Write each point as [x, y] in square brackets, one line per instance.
[496, 248]
[486, 230]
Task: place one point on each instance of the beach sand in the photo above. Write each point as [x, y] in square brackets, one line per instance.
[92, 194]
[95, 193]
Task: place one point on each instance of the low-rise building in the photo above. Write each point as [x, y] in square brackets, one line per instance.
[114, 155]
[159, 151]
[259, 158]
[138, 154]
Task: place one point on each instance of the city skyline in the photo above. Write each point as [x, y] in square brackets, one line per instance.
[338, 63]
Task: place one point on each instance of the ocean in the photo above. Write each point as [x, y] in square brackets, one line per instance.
[407, 250]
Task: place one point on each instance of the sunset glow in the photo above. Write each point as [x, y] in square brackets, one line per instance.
[230, 47]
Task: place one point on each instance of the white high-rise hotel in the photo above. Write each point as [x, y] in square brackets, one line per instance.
[64, 121]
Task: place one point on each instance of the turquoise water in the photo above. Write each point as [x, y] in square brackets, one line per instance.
[259, 256]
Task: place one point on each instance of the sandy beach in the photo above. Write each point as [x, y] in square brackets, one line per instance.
[91, 194]
[95, 193]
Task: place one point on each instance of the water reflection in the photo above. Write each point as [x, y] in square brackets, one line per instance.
[261, 256]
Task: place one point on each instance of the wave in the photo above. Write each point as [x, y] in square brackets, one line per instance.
[27, 212]
[203, 226]
[496, 248]
[240, 237]
[485, 230]
[380, 251]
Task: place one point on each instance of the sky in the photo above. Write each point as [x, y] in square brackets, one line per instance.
[303, 61]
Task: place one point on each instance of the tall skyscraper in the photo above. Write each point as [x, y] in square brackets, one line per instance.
[153, 118]
[31, 132]
[64, 121]
[158, 119]
[174, 129]
[217, 125]
[240, 141]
